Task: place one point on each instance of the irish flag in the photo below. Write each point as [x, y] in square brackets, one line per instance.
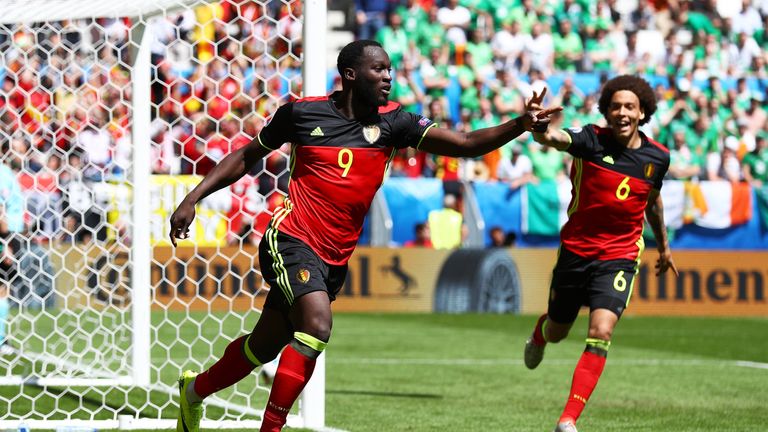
[544, 207]
[709, 204]
[718, 204]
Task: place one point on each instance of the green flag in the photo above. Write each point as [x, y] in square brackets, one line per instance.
[762, 204]
[544, 207]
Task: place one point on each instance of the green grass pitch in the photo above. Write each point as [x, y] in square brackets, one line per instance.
[413, 372]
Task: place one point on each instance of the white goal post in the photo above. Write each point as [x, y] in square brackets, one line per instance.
[103, 345]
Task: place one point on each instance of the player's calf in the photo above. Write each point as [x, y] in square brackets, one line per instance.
[297, 362]
[585, 378]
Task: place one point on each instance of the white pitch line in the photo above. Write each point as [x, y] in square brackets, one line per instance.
[750, 364]
[519, 362]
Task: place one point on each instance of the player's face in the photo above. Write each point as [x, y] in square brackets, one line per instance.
[374, 79]
[624, 114]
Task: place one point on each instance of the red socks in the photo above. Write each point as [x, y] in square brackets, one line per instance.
[292, 375]
[231, 368]
[538, 331]
[585, 379]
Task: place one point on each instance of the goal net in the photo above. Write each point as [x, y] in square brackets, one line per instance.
[111, 111]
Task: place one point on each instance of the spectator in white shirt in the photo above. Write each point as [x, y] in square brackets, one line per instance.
[541, 50]
[455, 19]
[517, 170]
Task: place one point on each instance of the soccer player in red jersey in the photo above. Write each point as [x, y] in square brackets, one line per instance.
[617, 174]
[342, 145]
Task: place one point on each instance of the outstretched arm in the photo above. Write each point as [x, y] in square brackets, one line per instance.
[229, 170]
[447, 142]
[654, 212]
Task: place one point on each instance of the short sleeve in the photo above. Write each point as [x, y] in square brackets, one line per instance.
[659, 180]
[279, 129]
[584, 141]
[408, 129]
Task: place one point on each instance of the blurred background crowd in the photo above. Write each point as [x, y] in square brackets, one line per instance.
[221, 69]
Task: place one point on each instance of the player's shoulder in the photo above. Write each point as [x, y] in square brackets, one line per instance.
[588, 129]
[310, 99]
[310, 103]
[600, 131]
[390, 107]
[657, 145]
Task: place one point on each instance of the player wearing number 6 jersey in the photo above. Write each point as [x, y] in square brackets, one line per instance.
[341, 147]
[617, 173]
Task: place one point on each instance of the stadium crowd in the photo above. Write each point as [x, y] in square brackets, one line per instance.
[220, 69]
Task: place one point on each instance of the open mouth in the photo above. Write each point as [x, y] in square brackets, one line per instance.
[623, 126]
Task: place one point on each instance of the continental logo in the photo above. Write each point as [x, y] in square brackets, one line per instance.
[303, 276]
[715, 284]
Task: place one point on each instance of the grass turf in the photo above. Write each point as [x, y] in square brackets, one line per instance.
[409, 372]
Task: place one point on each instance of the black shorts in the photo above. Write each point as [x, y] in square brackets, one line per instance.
[292, 269]
[577, 281]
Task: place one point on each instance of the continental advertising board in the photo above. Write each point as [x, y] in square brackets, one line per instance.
[423, 280]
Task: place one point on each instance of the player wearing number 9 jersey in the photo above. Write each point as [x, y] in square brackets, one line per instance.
[337, 165]
[617, 174]
[340, 148]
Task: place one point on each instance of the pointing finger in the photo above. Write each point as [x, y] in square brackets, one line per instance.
[548, 112]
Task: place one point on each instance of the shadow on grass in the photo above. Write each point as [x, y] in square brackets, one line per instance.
[386, 394]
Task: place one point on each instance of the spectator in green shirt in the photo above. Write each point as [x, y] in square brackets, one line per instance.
[414, 18]
[601, 51]
[481, 52]
[472, 93]
[569, 10]
[406, 91]
[548, 163]
[525, 15]
[684, 163]
[569, 50]
[393, 38]
[704, 136]
[507, 98]
[587, 113]
[755, 163]
[434, 73]
[431, 34]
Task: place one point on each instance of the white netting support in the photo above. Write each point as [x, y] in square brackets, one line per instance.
[109, 122]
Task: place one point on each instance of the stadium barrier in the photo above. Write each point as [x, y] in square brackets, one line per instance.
[711, 283]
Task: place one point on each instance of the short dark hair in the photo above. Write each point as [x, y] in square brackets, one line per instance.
[350, 55]
[636, 85]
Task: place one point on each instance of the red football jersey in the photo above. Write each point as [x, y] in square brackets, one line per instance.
[611, 185]
[337, 165]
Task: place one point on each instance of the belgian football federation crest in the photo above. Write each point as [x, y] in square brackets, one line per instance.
[371, 133]
[649, 170]
[303, 275]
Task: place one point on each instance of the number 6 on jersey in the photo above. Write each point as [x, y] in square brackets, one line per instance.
[622, 192]
[345, 160]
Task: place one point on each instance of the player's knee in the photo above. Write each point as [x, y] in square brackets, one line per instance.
[554, 333]
[318, 327]
[601, 332]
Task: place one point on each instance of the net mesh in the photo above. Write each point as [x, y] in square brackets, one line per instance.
[66, 114]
